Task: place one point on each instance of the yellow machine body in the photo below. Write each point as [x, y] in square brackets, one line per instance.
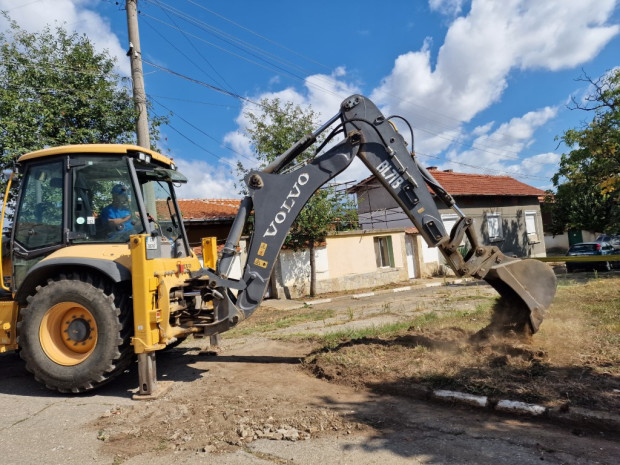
[153, 283]
[154, 279]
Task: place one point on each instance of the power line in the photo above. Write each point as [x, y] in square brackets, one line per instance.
[473, 146]
[198, 102]
[265, 65]
[204, 133]
[198, 81]
[197, 51]
[260, 36]
[248, 48]
[23, 5]
[196, 144]
[230, 39]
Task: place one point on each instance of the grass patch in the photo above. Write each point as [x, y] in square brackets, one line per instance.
[266, 320]
[574, 358]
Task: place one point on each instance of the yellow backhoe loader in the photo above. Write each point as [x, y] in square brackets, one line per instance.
[97, 267]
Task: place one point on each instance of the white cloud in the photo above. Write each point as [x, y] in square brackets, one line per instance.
[206, 180]
[323, 93]
[73, 15]
[447, 7]
[479, 52]
[499, 150]
[485, 128]
[533, 164]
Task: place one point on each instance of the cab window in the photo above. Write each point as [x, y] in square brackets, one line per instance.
[104, 205]
[39, 219]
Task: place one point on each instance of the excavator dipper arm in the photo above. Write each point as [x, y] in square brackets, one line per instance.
[277, 197]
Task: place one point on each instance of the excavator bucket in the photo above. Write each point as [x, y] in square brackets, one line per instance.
[527, 288]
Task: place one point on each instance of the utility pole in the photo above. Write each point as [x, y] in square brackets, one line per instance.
[147, 367]
[137, 76]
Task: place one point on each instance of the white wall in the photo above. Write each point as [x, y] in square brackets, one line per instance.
[346, 262]
[556, 242]
[294, 269]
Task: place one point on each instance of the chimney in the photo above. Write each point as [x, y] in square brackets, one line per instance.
[431, 168]
[448, 171]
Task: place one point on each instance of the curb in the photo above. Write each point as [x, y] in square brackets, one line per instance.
[362, 295]
[454, 282]
[569, 415]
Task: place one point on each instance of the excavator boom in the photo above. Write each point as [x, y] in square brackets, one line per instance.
[277, 196]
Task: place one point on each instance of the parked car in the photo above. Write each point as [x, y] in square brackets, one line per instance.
[613, 239]
[592, 248]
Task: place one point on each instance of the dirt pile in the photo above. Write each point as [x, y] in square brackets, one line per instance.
[501, 365]
[242, 398]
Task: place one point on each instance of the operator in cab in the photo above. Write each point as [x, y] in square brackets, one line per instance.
[117, 216]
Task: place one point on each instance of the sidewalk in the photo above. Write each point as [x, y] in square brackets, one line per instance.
[418, 283]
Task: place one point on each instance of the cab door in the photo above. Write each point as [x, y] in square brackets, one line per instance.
[38, 228]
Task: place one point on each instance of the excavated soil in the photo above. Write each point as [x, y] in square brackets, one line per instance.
[290, 389]
[250, 391]
[499, 366]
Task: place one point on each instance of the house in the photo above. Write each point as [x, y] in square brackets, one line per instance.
[208, 218]
[347, 260]
[506, 212]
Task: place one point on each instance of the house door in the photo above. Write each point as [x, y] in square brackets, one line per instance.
[410, 257]
[575, 236]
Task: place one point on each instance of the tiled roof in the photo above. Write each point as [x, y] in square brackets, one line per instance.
[475, 184]
[482, 184]
[209, 209]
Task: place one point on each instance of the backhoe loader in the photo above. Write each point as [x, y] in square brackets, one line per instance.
[98, 269]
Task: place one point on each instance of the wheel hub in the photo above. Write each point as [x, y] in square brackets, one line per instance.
[78, 331]
[68, 333]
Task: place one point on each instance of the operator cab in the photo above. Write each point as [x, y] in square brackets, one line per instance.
[96, 194]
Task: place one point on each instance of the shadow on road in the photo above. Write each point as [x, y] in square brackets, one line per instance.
[172, 365]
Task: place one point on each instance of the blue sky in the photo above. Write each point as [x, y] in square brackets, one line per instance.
[485, 83]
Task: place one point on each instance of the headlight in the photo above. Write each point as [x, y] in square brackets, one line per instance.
[144, 157]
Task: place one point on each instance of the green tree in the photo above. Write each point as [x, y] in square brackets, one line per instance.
[588, 179]
[272, 131]
[55, 89]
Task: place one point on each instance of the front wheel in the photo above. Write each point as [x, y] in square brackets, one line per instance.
[74, 334]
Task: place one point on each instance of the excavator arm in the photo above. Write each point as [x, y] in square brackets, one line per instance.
[277, 195]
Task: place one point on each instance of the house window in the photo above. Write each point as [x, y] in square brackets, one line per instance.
[530, 226]
[383, 252]
[494, 226]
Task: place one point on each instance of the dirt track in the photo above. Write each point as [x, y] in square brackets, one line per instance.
[253, 403]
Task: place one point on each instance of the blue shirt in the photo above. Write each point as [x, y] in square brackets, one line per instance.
[111, 212]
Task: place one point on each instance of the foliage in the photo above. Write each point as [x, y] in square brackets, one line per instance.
[55, 89]
[273, 131]
[276, 128]
[588, 180]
